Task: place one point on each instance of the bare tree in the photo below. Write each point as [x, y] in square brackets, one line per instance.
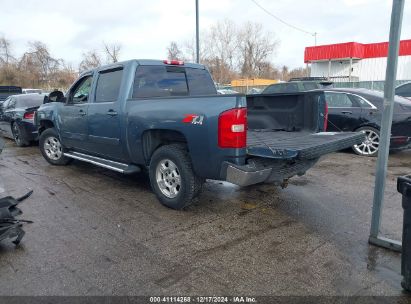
[90, 60]
[112, 52]
[174, 51]
[298, 72]
[284, 73]
[5, 51]
[230, 51]
[255, 47]
[37, 64]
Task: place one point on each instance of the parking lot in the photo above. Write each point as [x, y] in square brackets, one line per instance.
[97, 232]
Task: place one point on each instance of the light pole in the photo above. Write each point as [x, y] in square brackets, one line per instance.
[197, 36]
[383, 151]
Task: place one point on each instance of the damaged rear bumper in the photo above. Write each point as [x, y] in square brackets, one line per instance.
[260, 170]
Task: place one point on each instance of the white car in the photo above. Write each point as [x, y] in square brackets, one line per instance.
[227, 91]
[30, 91]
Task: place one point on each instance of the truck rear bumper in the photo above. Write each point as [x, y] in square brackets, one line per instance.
[260, 170]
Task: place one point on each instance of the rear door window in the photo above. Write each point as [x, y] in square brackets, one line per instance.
[338, 100]
[108, 85]
[360, 101]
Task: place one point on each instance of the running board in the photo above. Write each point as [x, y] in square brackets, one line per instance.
[105, 163]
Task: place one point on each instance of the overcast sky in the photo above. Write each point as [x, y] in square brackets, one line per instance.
[145, 28]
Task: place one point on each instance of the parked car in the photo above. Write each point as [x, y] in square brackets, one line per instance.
[17, 117]
[254, 91]
[227, 91]
[404, 90]
[300, 84]
[291, 87]
[166, 117]
[30, 91]
[361, 110]
[6, 91]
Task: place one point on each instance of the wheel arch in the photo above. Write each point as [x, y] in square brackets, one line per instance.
[155, 138]
[45, 124]
[368, 124]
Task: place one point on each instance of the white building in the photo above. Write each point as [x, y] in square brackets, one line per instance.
[354, 61]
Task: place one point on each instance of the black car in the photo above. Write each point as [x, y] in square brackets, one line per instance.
[17, 117]
[361, 110]
[301, 84]
[6, 91]
[404, 90]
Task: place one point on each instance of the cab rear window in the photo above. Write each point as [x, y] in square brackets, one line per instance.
[163, 81]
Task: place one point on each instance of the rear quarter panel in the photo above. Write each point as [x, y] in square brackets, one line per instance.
[202, 139]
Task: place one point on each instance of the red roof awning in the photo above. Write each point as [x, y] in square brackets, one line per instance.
[352, 50]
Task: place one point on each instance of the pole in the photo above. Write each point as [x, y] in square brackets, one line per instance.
[384, 146]
[349, 72]
[197, 36]
[329, 68]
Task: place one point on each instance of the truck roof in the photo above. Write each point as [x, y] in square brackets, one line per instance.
[145, 62]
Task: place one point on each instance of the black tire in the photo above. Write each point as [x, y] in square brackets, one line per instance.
[57, 158]
[176, 156]
[370, 146]
[18, 135]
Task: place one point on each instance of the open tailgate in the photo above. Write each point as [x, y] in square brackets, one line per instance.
[299, 145]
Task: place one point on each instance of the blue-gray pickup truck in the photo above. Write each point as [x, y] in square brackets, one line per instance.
[166, 117]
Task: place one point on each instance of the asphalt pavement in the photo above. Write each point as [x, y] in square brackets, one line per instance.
[97, 232]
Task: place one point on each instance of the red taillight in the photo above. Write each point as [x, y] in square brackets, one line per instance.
[232, 128]
[173, 62]
[326, 117]
[28, 115]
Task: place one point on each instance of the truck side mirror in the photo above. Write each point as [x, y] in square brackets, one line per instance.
[56, 96]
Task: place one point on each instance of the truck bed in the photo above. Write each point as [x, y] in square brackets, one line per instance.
[286, 126]
[298, 145]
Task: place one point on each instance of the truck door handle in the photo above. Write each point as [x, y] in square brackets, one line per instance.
[82, 113]
[111, 112]
[346, 112]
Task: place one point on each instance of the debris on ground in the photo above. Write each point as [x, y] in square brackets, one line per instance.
[10, 226]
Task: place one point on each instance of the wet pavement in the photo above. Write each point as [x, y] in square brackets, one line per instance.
[97, 232]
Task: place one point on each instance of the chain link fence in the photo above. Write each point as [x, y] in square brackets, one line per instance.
[371, 85]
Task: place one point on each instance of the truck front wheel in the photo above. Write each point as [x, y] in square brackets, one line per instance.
[51, 148]
[172, 177]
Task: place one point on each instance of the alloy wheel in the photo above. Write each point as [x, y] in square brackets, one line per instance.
[370, 145]
[52, 147]
[168, 178]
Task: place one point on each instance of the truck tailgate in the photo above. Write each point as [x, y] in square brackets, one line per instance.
[298, 145]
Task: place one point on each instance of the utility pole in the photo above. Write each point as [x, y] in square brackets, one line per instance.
[197, 36]
[384, 146]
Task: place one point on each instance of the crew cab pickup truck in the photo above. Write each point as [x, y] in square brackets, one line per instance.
[166, 117]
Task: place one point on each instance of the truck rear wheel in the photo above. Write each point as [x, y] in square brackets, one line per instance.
[52, 149]
[172, 177]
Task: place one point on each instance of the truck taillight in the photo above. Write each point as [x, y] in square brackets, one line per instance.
[232, 128]
[28, 115]
[326, 117]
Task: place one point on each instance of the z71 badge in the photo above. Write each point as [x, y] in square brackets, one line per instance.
[193, 119]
